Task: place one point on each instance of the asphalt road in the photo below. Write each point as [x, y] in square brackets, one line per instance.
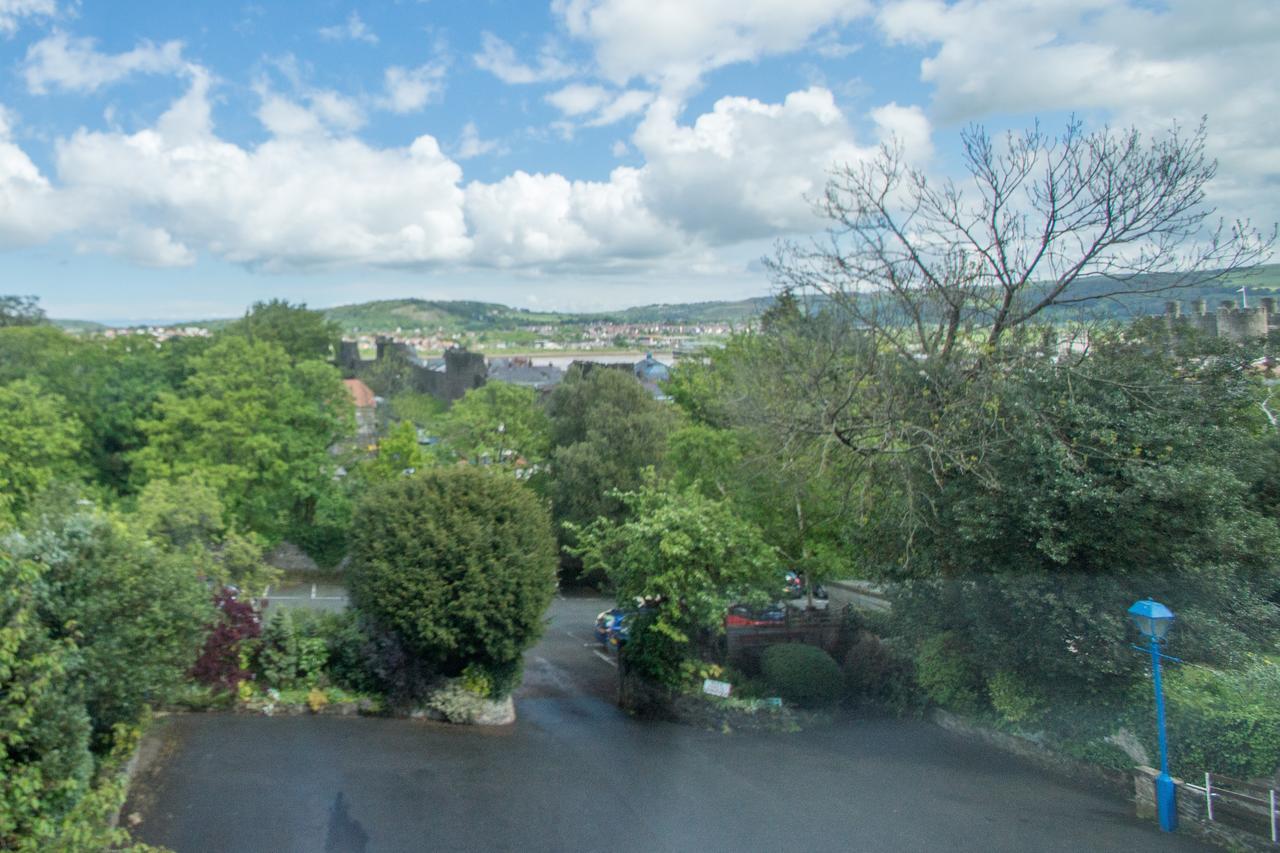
[574, 773]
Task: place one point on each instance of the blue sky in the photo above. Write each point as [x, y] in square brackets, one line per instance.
[164, 160]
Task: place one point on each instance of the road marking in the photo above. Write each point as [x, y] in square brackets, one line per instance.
[573, 636]
[605, 658]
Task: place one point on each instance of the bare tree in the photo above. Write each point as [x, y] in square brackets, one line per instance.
[1041, 222]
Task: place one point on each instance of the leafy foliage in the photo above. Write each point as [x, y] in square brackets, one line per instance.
[40, 441]
[453, 567]
[223, 662]
[1219, 721]
[20, 311]
[301, 333]
[135, 613]
[287, 658]
[689, 555]
[605, 431]
[498, 421]
[45, 763]
[257, 427]
[804, 675]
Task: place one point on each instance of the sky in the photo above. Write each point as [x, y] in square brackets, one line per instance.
[163, 161]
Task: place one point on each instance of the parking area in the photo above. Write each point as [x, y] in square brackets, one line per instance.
[576, 773]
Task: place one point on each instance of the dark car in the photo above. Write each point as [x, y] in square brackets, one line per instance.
[795, 587]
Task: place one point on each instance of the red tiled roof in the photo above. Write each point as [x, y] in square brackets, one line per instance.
[361, 394]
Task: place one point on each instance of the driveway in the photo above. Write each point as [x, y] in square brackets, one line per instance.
[574, 773]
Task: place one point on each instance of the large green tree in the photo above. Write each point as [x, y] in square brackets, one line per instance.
[605, 431]
[40, 442]
[1123, 474]
[500, 421]
[302, 333]
[257, 426]
[689, 555]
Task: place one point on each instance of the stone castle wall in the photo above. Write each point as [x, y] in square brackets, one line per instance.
[1228, 320]
[462, 370]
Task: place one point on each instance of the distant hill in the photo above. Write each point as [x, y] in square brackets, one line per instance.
[455, 317]
[79, 326]
[387, 315]
[451, 317]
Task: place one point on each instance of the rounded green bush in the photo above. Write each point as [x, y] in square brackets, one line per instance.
[804, 675]
[454, 566]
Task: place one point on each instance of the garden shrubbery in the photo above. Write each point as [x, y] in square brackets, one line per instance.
[452, 570]
[804, 675]
[1219, 721]
[947, 674]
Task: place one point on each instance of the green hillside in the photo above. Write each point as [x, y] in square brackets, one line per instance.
[387, 315]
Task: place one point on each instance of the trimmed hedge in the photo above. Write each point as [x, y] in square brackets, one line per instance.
[453, 569]
[804, 675]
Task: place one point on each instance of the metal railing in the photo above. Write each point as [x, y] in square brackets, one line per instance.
[1242, 803]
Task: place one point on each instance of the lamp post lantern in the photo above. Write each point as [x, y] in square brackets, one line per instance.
[1154, 621]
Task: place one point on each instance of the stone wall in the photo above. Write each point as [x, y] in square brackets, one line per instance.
[1192, 814]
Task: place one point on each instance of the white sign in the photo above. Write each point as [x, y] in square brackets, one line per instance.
[717, 688]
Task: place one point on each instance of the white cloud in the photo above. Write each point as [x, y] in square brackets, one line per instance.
[29, 207]
[144, 246]
[626, 104]
[499, 59]
[746, 169]
[471, 145]
[410, 89]
[549, 220]
[12, 12]
[313, 195]
[301, 199]
[1139, 63]
[909, 126]
[576, 99]
[674, 42]
[74, 64]
[353, 29]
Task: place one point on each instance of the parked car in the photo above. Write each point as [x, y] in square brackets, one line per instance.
[608, 623]
[795, 587]
[744, 616]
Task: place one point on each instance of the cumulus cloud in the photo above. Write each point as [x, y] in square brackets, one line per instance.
[12, 12]
[29, 208]
[499, 59]
[353, 29]
[747, 169]
[74, 64]
[1139, 63]
[410, 89]
[674, 42]
[314, 195]
[529, 219]
[301, 199]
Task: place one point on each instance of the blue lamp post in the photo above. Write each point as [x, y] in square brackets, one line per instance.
[1154, 621]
